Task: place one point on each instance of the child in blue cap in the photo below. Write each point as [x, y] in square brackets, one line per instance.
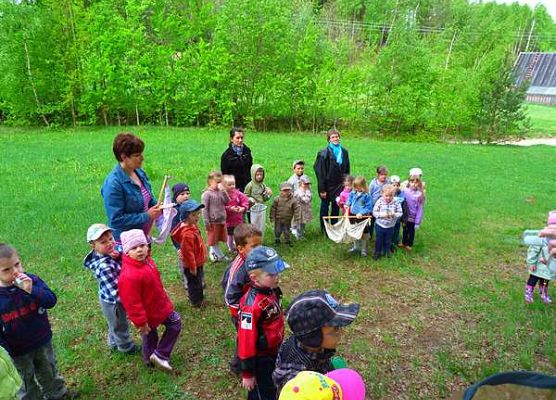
[261, 323]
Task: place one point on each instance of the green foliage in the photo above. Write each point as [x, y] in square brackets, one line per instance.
[390, 68]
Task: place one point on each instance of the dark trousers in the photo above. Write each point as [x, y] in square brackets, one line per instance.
[396, 234]
[408, 234]
[264, 389]
[325, 207]
[236, 363]
[282, 228]
[383, 240]
[195, 286]
[532, 281]
[164, 347]
[40, 377]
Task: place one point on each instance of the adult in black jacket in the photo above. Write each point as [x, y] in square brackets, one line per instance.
[237, 160]
[331, 165]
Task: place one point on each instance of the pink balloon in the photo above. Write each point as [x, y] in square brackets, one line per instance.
[351, 383]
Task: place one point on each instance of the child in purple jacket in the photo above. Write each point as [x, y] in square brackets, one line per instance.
[415, 200]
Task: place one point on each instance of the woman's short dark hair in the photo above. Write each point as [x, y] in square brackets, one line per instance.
[234, 130]
[127, 143]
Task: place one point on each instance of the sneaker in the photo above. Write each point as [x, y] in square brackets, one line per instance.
[135, 349]
[160, 363]
[376, 256]
[401, 245]
[364, 253]
[213, 257]
[408, 249]
[277, 242]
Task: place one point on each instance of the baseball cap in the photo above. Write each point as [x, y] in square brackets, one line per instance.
[304, 179]
[285, 186]
[188, 207]
[415, 171]
[296, 162]
[310, 385]
[96, 230]
[314, 309]
[265, 258]
[394, 179]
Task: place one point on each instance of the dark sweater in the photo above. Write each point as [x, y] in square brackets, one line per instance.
[294, 358]
[237, 165]
[24, 319]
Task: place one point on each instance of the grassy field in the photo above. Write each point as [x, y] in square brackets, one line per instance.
[543, 120]
[431, 322]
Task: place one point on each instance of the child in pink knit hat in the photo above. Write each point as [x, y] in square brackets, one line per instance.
[146, 302]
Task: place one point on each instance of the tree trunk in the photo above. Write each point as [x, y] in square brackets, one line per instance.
[32, 83]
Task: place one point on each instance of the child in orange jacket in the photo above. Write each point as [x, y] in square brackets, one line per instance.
[193, 253]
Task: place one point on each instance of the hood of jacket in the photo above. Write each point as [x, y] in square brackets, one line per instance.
[254, 169]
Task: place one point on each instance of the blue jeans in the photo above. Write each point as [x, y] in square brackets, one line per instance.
[383, 240]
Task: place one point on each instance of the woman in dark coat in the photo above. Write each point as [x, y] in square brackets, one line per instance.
[331, 165]
[237, 160]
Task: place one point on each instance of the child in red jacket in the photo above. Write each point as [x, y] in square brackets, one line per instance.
[193, 253]
[261, 323]
[146, 302]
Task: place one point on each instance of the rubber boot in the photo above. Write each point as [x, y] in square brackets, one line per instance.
[543, 290]
[529, 294]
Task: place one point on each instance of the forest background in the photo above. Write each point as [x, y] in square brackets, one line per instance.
[421, 69]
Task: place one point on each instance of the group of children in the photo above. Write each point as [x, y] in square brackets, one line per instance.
[131, 288]
[388, 204]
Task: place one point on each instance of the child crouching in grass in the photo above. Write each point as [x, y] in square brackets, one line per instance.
[26, 332]
[145, 300]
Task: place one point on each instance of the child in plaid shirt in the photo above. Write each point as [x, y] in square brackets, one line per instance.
[104, 262]
[386, 211]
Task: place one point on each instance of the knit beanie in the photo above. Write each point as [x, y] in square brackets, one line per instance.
[132, 238]
[178, 188]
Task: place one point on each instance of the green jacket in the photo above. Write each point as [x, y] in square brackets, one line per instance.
[256, 191]
[546, 270]
[10, 381]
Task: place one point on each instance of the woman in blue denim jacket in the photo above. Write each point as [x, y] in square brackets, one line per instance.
[126, 191]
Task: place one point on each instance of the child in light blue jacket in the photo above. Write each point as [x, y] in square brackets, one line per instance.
[361, 206]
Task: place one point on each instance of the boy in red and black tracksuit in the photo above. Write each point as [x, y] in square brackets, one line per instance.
[261, 323]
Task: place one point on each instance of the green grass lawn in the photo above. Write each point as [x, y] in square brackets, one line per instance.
[543, 120]
[431, 322]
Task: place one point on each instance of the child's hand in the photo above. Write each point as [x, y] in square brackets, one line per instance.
[542, 260]
[193, 272]
[532, 268]
[24, 282]
[145, 329]
[240, 209]
[248, 383]
[268, 191]
[359, 216]
[115, 254]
